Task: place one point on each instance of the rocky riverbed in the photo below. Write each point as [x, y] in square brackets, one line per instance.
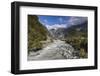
[56, 50]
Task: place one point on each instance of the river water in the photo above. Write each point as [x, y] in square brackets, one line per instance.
[56, 50]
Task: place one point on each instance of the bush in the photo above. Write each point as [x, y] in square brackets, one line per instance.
[79, 43]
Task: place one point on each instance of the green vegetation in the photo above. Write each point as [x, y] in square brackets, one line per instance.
[36, 33]
[80, 44]
[75, 35]
[78, 39]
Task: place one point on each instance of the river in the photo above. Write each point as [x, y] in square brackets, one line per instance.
[56, 50]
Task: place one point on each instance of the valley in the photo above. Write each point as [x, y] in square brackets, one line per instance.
[60, 43]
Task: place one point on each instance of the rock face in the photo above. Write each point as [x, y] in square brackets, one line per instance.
[58, 33]
[63, 33]
[56, 50]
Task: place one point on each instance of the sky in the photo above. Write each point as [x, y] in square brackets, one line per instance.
[54, 22]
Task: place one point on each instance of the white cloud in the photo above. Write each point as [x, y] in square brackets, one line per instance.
[55, 26]
[71, 21]
[77, 20]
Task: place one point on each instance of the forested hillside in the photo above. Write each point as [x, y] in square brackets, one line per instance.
[36, 33]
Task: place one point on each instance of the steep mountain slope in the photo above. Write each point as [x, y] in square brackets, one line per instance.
[73, 30]
[58, 33]
[77, 30]
[75, 35]
[36, 33]
[78, 38]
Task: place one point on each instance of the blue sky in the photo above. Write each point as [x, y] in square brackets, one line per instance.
[51, 20]
[60, 21]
